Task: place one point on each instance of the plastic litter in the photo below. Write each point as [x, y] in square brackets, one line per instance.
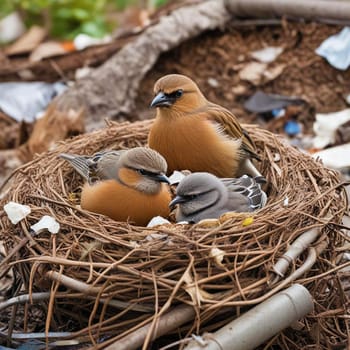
[326, 125]
[81, 41]
[292, 128]
[176, 177]
[335, 157]
[336, 49]
[24, 101]
[257, 72]
[157, 220]
[253, 72]
[278, 112]
[46, 223]
[16, 212]
[268, 54]
[261, 102]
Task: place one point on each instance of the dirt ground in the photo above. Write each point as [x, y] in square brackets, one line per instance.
[214, 60]
[219, 55]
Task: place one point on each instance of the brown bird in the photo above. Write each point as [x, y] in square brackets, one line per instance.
[125, 185]
[204, 196]
[192, 133]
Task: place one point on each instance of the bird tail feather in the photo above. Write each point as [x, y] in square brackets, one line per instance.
[79, 163]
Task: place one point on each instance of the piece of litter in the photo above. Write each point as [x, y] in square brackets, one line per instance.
[182, 223]
[336, 49]
[157, 220]
[253, 72]
[134, 244]
[217, 254]
[268, 54]
[261, 102]
[213, 82]
[278, 112]
[346, 256]
[286, 202]
[176, 177]
[156, 236]
[82, 41]
[199, 339]
[326, 125]
[273, 72]
[46, 223]
[292, 128]
[347, 99]
[335, 157]
[16, 212]
[276, 157]
[247, 221]
[23, 101]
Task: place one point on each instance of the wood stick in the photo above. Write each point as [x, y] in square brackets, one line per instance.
[173, 319]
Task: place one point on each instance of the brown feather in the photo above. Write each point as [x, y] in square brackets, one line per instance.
[198, 135]
[123, 203]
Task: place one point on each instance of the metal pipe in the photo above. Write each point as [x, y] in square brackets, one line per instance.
[259, 323]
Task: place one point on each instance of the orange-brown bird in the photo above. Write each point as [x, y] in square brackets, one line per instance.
[128, 185]
[193, 133]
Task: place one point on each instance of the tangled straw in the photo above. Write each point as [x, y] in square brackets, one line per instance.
[113, 279]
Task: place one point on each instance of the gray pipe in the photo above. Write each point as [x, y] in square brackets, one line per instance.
[261, 322]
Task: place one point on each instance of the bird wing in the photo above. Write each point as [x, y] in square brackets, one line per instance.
[103, 165]
[231, 127]
[248, 187]
[100, 166]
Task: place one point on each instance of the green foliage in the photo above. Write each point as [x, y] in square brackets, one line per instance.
[67, 18]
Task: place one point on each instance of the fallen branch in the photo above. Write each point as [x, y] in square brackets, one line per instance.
[112, 88]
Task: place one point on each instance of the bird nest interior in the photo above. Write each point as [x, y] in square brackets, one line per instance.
[109, 278]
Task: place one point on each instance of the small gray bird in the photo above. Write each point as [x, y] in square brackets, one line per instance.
[204, 196]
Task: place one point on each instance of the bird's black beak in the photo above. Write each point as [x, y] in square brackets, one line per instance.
[162, 100]
[176, 200]
[161, 178]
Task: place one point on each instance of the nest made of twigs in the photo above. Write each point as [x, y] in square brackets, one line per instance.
[145, 272]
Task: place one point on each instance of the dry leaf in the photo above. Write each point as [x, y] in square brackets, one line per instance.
[218, 255]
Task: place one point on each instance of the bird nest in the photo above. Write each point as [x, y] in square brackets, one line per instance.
[116, 282]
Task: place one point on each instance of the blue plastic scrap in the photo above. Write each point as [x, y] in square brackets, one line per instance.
[292, 128]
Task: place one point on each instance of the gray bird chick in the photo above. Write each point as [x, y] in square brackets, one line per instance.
[204, 196]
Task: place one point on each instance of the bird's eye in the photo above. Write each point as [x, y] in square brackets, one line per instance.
[179, 93]
[146, 172]
[191, 196]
